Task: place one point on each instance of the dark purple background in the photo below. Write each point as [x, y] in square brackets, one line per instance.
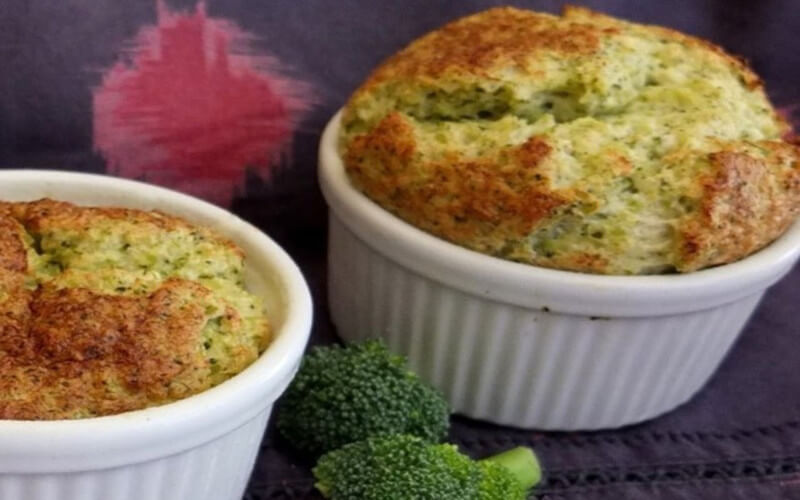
[738, 439]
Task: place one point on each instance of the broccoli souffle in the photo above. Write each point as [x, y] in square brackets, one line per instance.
[580, 142]
[106, 310]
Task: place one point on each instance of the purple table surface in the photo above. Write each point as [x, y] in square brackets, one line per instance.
[739, 438]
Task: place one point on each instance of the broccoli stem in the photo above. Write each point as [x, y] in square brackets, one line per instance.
[522, 463]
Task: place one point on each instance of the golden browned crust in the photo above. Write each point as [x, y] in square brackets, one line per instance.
[13, 254]
[14, 297]
[43, 213]
[46, 214]
[79, 343]
[476, 45]
[745, 204]
[76, 351]
[507, 195]
[503, 38]
[499, 132]
[581, 261]
[14, 313]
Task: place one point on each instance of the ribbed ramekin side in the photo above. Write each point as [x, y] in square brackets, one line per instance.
[217, 470]
[521, 366]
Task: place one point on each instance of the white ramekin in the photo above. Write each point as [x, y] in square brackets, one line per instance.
[527, 346]
[200, 448]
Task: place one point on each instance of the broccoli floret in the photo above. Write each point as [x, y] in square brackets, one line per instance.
[400, 467]
[403, 467]
[346, 394]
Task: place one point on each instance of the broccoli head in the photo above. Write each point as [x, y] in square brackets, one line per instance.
[346, 394]
[400, 467]
[404, 467]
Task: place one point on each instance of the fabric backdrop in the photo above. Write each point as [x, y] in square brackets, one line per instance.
[225, 99]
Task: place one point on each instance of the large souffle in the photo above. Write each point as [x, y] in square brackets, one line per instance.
[580, 142]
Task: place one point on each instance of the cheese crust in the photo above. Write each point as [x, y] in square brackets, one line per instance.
[107, 310]
[578, 142]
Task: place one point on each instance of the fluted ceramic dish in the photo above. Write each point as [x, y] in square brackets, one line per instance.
[526, 346]
[199, 448]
